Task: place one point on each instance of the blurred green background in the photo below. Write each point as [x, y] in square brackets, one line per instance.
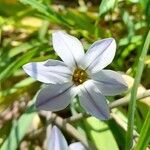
[25, 36]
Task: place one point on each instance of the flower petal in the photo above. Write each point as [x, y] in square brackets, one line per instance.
[109, 82]
[57, 141]
[50, 71]
[68, 48]
[76, 146]
[94, 102]
[99, 55]
[55, 97]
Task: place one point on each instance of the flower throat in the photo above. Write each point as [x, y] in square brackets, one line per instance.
[79, 76]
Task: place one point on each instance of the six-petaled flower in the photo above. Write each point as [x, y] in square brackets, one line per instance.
[79, 74]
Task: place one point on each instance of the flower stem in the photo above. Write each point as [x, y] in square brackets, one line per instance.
[132, 103]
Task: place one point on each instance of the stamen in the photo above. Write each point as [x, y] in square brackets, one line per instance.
[79, 76]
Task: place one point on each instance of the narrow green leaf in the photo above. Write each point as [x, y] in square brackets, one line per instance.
[8, 56]
[106, 5]
[22, 48]
[80, 21]
[129, 23]
[132, 104]
[16, 64]
[17, 86]
[37, 5]
[134, 1]
[43, 30]
[146, 6]
[44, 9]
[144, 135]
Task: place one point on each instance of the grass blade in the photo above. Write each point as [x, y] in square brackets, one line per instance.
[11, 68]
[46, 10]
[132, 104]
[144, 136]
[106, 6]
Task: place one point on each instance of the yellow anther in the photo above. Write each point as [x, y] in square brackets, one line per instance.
[80, 80]
[82, 73]
[76, 75]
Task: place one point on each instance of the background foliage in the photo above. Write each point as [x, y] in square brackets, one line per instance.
[25, 36]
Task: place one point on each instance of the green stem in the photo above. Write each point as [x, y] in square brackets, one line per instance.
[132, 104]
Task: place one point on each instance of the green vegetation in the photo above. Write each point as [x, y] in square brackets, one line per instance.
[25, 36]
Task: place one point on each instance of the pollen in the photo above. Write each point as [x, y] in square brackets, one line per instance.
[79, 76]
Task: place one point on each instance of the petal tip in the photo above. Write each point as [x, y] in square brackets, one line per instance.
[105, 116]
[37, 105]
[57, 32]
[25, 67]
[55, 128]
[113, 42]
[39, 101]
[124, 85]
[111, 39]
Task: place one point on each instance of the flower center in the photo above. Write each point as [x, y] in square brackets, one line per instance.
[79, 76]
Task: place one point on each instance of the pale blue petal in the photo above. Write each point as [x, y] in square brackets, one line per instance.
[50, 71]
[57, 141]
[55, 97]
[69, 48]
[76, 146]
[94, 102]
[99, 55]
[109, 82]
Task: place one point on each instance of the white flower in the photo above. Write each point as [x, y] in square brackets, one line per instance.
[57, 141]
[79, 74]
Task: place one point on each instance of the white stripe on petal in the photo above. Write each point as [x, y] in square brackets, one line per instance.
[109, 82]
[93, 101]
[50, 71]
[99, 55]
[69, 48]
[55, 97]
[57, 141]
